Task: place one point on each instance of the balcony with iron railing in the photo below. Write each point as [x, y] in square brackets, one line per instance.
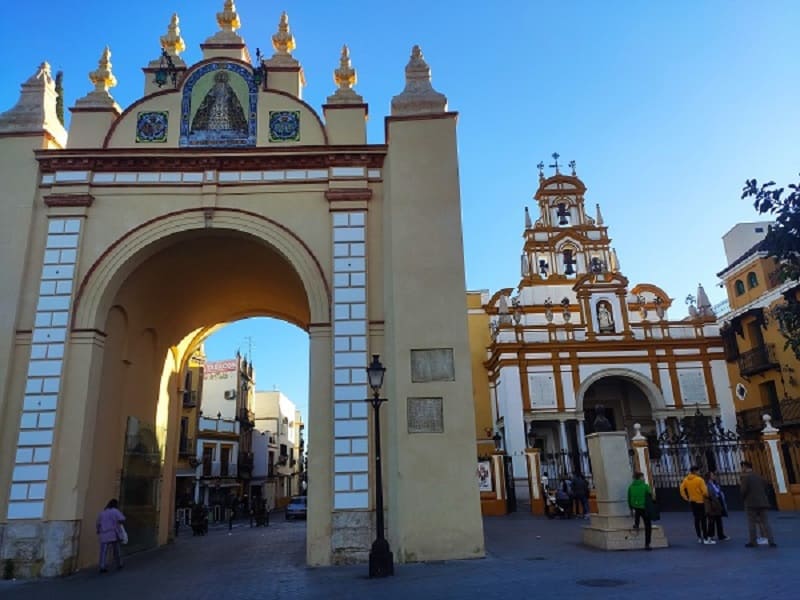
[783, 413]
[759, 359]
[219, 469]
[220, 425]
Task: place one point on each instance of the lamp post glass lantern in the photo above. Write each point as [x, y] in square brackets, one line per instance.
[381, 561]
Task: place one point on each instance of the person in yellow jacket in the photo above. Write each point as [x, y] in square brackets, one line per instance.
[694, 491]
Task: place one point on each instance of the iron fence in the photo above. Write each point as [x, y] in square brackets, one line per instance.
[790, 447]
[563, 465]
[702, 442]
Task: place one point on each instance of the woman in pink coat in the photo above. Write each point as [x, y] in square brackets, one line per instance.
[109, 522]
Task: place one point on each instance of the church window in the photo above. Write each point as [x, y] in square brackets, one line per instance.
[752, 280]
[739, 287]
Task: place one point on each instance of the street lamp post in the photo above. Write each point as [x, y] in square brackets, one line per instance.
[381, 561]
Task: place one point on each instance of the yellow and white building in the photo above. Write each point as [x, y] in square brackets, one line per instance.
[573, 334]
[222, 163]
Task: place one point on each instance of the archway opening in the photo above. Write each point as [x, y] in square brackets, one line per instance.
[622, 401]
[159, 316]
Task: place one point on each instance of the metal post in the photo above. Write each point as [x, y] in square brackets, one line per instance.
[381, 561]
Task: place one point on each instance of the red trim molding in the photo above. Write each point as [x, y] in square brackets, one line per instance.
[68, 200]
[337, 194]
[179, 159]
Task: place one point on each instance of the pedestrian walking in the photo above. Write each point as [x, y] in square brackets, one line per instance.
[756, 503]
[110, 532]
[693, 490]
[716, 507]
[638, 493]
[580, 495]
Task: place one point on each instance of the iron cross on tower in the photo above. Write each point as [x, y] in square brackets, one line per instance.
[555, 164]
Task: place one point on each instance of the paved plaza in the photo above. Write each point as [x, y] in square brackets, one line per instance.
[526, 557]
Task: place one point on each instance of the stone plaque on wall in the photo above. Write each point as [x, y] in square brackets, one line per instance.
[432, 364]
[425, 415]
[693, 386]
[542, 390]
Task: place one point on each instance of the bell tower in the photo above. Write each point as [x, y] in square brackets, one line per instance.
[565, 242]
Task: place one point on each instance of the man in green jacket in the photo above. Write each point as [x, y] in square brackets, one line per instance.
[638, 491]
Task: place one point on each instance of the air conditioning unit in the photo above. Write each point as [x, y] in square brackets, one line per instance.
[230, 394]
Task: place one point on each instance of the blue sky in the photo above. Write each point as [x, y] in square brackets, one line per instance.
[666, 107]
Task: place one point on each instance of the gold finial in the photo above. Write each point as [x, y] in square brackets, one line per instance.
[228, 19]
[103, 78]
[173, 42]
[283, 41]
[345, 75]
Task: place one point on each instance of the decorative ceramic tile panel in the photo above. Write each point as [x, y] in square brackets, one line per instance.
[151, 127]
[284, 126]
[219, 107]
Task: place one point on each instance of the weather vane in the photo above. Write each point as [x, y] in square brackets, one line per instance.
[572, 166]
[555, 165]
[540, 166]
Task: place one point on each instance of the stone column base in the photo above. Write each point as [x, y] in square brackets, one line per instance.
[622, 538]
[351, 537]
[40, 549]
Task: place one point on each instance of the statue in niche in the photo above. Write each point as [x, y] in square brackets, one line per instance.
[605, 320]
[220, 114]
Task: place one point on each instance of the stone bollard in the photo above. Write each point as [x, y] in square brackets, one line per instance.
[534, 461]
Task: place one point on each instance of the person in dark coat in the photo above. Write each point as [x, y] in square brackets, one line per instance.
[716, 507]
[756, 503]
[580, 495]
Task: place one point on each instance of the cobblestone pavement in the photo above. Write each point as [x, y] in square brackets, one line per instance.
[526, 557]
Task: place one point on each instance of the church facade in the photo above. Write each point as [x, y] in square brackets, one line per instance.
[574, 340]
[293, 215]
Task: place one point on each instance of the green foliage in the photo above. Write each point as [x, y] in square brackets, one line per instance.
[60, 96]
[783, 238]
[783, 244]
[8, 569]
[788, 317]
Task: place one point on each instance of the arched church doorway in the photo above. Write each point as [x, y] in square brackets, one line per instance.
[622, 401]
[157, 314]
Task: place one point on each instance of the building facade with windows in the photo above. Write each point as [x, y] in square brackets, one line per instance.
[191, 391]
[764, 372]
[225, 431]
[573, 339]
[279, 449]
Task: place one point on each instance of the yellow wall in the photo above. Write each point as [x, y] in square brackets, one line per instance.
[786, 376]
[479, 340]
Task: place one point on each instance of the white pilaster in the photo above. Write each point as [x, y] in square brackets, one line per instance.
[38, 420]
[350, 360]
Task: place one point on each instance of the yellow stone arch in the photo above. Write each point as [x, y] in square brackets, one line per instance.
[97, 288]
